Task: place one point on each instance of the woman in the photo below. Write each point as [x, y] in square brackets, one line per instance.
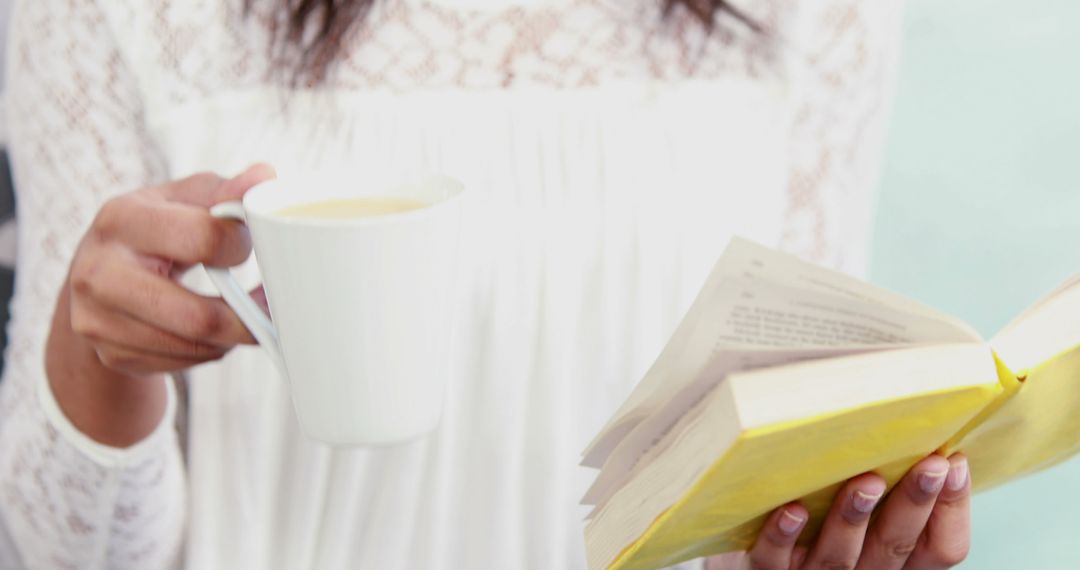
[609, 152]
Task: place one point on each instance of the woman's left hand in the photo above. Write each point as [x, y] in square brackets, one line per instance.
[924, 524]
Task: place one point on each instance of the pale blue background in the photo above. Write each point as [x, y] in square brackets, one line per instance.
[980, 209]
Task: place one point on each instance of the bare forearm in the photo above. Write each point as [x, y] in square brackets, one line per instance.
[110, 407]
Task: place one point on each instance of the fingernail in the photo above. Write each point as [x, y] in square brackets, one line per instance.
[958, 475]
[790, 524]
[863, 502]
[932, 481]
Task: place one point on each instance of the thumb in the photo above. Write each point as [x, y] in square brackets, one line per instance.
[206, 190]
[235, 187]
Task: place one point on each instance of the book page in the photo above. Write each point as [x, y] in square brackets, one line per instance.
[753, 312]
[629, 455]
[1047, 328]
[745, 314]
[776, 395]
[744, 257]
[757, 297]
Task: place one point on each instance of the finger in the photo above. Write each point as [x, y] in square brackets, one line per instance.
[947, 538]
[161, 303]
[896, 531]
[258, 295]
[775, 543]
[101, 325]
[235, 187]
[177, 232]
[798, 556]
[206, 190]
[738, 560]
[841, 538]
[130, 361]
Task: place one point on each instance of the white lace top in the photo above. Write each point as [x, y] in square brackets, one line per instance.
[608, 155]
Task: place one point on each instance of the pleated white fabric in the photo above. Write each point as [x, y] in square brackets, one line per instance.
[591, 220]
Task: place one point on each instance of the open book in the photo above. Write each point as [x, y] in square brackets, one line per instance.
[785, 379]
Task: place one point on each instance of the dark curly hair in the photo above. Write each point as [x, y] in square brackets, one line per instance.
[318, 27]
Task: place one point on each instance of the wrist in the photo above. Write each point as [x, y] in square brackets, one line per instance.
[109, 407]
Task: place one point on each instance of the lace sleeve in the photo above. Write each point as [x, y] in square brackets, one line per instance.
[841, 56]
[76, 137]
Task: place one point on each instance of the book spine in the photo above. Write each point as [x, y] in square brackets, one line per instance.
[1010, 384]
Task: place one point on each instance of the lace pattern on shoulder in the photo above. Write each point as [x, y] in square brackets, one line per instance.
[407, 45]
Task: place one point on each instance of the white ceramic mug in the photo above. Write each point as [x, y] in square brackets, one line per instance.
[361, 307]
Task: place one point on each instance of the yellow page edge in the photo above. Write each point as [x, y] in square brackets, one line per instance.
[627, 554]
[1023, 373]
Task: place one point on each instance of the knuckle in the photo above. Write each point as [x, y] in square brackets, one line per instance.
[205, 177]
[115, 360]
[114, 214]
[900, 549]
[854, 519]
[206, 322]
[81, 280]
[917, 495]
[106, 219]
[951, 554]
[207, 239]
[953, 499]
[85, 326]
[762, 561]
[200, 180]
[191, 348]
[197, 350]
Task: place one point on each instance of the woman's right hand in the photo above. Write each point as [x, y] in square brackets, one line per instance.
[123, 316]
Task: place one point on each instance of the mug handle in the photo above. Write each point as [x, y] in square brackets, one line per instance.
[250, 314]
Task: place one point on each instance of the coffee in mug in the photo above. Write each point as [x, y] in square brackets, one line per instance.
[345, 208]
